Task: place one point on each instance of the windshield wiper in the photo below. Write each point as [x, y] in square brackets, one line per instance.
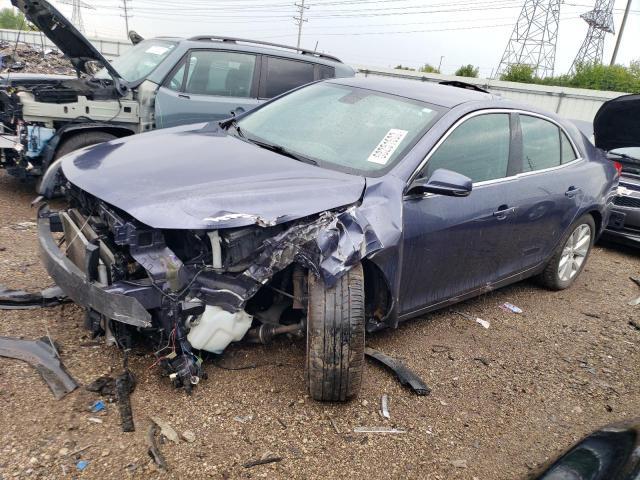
[282, 151]
[232, 122]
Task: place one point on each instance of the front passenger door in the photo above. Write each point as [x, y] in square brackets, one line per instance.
[453, 245]
[208, 85]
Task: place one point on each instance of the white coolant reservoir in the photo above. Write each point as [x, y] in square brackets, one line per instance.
[216, 328]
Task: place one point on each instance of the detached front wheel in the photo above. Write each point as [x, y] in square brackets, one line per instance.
[335, 337]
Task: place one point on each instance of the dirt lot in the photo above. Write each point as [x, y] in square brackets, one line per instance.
[504, 400]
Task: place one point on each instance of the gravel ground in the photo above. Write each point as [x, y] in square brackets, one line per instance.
[505, 399]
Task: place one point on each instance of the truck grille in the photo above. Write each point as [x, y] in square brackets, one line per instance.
[629, 202]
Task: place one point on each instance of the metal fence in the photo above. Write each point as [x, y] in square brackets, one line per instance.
[573, 103]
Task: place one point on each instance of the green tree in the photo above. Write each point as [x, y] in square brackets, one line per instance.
[518, 73]
[400, 67]
[467, 71]
[427, 68]
[14, 20]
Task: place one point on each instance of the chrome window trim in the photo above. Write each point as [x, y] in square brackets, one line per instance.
[490, 111]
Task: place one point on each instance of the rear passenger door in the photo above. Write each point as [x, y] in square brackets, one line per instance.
[279, 75]
[549, 185]
[208, 85]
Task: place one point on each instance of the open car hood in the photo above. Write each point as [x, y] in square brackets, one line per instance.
[617, 123]
[61, 32]
[203, 179]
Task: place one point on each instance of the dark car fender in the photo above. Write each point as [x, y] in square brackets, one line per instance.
[51, 168]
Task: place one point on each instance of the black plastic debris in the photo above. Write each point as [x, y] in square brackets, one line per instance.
[20, 300]
[153, 451]
[42, 355]
[406, 376]
[120, 389]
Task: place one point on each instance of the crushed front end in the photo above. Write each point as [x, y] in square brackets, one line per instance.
[188, 291]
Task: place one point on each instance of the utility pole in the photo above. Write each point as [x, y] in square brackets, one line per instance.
[440, 64]
[624, 21]
[125, 5]
[300, 19]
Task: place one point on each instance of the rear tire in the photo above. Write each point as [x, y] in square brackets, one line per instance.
[571, 255]
[336, 337]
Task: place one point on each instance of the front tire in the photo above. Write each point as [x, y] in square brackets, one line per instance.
[336, 337]
[571, 256]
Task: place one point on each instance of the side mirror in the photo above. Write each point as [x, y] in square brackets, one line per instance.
[442, 182]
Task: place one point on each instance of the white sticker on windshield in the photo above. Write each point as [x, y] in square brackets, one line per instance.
[382, 153]
[156, 50]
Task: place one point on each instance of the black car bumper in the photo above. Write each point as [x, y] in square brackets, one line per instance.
[73, 282]
[624, 225]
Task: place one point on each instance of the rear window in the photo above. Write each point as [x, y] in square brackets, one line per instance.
[540, 142]
[283, 75]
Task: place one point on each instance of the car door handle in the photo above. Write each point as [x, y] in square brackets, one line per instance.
[182, 95]
[572, 192]
[503, 212]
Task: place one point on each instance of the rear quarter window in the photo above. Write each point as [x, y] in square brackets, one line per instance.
[283, 75]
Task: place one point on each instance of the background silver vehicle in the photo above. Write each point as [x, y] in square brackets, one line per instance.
[160, 82]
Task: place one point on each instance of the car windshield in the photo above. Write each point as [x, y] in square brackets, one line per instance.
[139, 61]
[347, 128]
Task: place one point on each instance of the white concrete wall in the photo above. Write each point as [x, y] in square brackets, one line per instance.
[572, 103]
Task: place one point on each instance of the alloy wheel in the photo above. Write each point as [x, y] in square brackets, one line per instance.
[574, 252]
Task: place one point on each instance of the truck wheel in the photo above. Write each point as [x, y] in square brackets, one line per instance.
[81, 140]
[335, 337]
[571, 256]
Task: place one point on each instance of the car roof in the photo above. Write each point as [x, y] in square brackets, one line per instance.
[255, 46]
[428, 92]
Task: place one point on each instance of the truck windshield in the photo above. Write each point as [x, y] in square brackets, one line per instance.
[342, 127]
[139, 61]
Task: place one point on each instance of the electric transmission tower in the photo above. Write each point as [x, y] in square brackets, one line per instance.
[600, 21]
[534, 37]
[76, 16]
[300, 19]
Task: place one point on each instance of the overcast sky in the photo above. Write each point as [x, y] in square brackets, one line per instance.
[376, 33]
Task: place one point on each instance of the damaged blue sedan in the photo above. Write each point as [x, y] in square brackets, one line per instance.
[341, 208]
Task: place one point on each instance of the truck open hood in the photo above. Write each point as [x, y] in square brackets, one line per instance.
[61, 32]
[617, 123]
[219, 181]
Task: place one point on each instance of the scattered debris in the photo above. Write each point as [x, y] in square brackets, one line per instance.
[120, 389]
[20, 300]
[459, 463]
[124, 385]
[406, 376]
[266, 458]
[32, 59]
[154, 451]
[98, 406]
[243, 419]
[377, 430]
[333, 424]
[82, 464]
[592, 315]
[80, 450]
[635, 302]
[43, 357]
[284, 425]
[482, 360]
[166, 429]
[384, 407]
[23, 225]
[634, 324]
[635, 280]
[482, 322]
[188, 436]
[510, 307]
[94, 420]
